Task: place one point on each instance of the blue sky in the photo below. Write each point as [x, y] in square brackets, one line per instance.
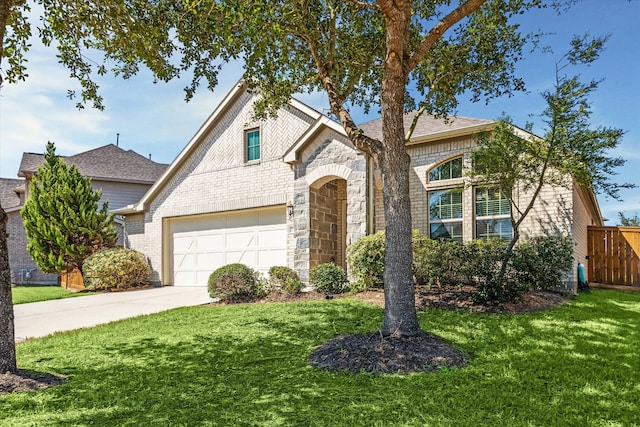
[153, 119]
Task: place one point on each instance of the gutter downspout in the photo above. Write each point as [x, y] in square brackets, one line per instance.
[370, 229]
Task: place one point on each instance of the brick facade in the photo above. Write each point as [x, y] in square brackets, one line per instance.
[23, 268]
[216, 178]
[332, 192]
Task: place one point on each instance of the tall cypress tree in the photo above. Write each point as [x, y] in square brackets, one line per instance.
[61, 217]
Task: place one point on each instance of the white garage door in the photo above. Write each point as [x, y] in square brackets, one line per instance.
[201, 244]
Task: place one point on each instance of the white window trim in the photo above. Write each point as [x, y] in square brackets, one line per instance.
[477, 218]
[448, 181]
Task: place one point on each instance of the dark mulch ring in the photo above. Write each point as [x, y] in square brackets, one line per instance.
[425, 352]
[23, 381]
[387, 355]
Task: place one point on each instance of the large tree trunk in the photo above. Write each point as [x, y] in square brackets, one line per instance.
[400, 317]
[7, 333]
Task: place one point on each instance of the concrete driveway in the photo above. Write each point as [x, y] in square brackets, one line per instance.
[40, 319]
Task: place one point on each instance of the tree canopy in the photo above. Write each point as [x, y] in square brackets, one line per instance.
[395, 55]
[61, 217]
[629, 221]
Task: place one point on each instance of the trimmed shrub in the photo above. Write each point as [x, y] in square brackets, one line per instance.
[542, 262]
[115, 268]
[438, 262]
[235, 283]
[485, 262]
[285, 279]
[329, 278]
[365, 257]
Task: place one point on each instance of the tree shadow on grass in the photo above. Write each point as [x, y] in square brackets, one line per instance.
[249, 366]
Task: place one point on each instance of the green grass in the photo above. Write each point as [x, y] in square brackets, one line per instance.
[577, 365]
[26, 293]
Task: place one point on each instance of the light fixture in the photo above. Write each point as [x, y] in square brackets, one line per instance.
[290, 209]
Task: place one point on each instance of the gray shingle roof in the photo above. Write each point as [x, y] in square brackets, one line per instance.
[426, 125]
[8, 196]
[107, 162]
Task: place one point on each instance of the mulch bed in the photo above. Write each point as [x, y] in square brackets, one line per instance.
[376, 354]
[22, 381]
[460, 298]
[422, 353]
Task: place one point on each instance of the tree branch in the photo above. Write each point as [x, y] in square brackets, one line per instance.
[439, 29]
[363, 4]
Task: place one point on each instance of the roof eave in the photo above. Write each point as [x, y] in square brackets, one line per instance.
[452, 133]
[184, 154]
[129, 209]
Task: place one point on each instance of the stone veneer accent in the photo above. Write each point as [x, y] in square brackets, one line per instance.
[331, 170]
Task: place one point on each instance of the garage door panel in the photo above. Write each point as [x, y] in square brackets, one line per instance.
[210, 241]
[183, 277]
[211, 223]
[182, 244]
[184, 261]
[266, 237]
[200, 245]
[202, 277]
[244, 257]
[211, 259]
[241, 220]
[179, 227]
[272, 257]
[245, 239]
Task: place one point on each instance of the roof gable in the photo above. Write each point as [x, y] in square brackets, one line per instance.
[107, 163]
[228, 103]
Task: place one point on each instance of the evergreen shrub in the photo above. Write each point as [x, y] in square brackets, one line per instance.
[329, 278]
[484, 264]
[438, 262]
[284, 279]
[235, 283]
[365, 257]
[542, 262]
[115, 268]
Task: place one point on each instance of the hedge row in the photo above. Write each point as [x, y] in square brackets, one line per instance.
[538, 263]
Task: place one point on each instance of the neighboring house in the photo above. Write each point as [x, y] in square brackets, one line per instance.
[124, 177]
[293, 190]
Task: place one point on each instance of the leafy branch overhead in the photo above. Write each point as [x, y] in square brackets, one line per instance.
[395, 55]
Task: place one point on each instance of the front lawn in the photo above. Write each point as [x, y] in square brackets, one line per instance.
[27, 293]
[577, 365]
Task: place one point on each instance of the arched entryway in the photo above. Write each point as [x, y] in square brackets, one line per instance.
[327, 222]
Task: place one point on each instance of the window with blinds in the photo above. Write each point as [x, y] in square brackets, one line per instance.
[493, 214]
[446, 214]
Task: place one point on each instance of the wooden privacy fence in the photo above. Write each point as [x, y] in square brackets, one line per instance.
[71, 280]
[613, 255]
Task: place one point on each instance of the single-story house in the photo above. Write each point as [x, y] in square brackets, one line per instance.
[294, 191]
[123, 175]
